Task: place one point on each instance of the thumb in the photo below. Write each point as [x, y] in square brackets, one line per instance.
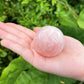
[36, 29]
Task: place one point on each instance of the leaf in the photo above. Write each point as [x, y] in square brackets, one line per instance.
[2, 18]
[60, 80]
[2, 53]
[80, 20]
[31, 77]
[53, 2]
[65, 16]
[42, 4]
[20, 72]
[67, 20]
[25, 1]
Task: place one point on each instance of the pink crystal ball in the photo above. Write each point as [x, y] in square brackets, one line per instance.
[49, 41]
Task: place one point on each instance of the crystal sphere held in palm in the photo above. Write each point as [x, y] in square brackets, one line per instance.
[48, 41]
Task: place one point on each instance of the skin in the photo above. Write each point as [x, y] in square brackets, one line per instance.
[69, 63]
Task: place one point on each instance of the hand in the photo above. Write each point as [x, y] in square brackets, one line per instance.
[69, 63]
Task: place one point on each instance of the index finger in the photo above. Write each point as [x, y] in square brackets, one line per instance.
[29, 32]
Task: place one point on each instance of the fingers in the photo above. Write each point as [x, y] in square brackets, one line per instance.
[24, 52]
[28, 32]
[6, 35]
[13, 31]
[36, 29]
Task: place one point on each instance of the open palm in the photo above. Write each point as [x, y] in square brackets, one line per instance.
[69, 63]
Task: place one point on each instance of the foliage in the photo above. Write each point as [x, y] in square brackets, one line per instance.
[81, 19]
[20, 72]
[1, 7]
[2, 16]
[67, 15]
[60, 80]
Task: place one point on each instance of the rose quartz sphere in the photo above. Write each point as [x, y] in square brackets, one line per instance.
[49, 41]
